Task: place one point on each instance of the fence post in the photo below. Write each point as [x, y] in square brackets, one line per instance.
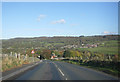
[26, 56]
[19, 56]
[11, 54]
[15, 55]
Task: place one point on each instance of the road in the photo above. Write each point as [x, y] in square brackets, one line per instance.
[54, 70]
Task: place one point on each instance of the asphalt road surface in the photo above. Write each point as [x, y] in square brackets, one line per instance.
[54, 70]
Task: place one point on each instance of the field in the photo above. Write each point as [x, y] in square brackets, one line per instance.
[109, 47]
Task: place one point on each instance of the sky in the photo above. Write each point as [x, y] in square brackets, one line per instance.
[35, 19]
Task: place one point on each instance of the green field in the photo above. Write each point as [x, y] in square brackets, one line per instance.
[109, 47]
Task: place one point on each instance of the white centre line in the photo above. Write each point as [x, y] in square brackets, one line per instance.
[61, 72]
[55, 64]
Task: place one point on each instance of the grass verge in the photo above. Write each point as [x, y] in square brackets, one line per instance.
[115, 71]
[9, 63]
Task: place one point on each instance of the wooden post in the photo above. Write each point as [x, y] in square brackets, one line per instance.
[15, 55]
[26, 56]
[19, 56]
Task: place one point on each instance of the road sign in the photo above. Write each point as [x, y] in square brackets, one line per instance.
[32, 52]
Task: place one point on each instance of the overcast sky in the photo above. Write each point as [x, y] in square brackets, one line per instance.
[34, 19]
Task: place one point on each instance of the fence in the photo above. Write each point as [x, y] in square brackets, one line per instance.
[14, 60]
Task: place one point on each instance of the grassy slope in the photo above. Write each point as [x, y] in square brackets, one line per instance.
[109, 47]
[107, 70]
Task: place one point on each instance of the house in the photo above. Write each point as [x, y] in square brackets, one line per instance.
[53, 56]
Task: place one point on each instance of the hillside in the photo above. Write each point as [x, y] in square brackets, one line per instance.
[54, 42]
[91, 43]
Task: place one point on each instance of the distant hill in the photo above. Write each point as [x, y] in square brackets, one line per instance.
[54, 42]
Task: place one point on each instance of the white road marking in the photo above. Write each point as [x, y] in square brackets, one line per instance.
[61, 72]
[66, 79]
[56, 65]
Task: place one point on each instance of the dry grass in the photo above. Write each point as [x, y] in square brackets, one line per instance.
[9, 63]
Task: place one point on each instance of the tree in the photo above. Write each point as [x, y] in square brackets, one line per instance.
[67, 53]
[46, 53]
